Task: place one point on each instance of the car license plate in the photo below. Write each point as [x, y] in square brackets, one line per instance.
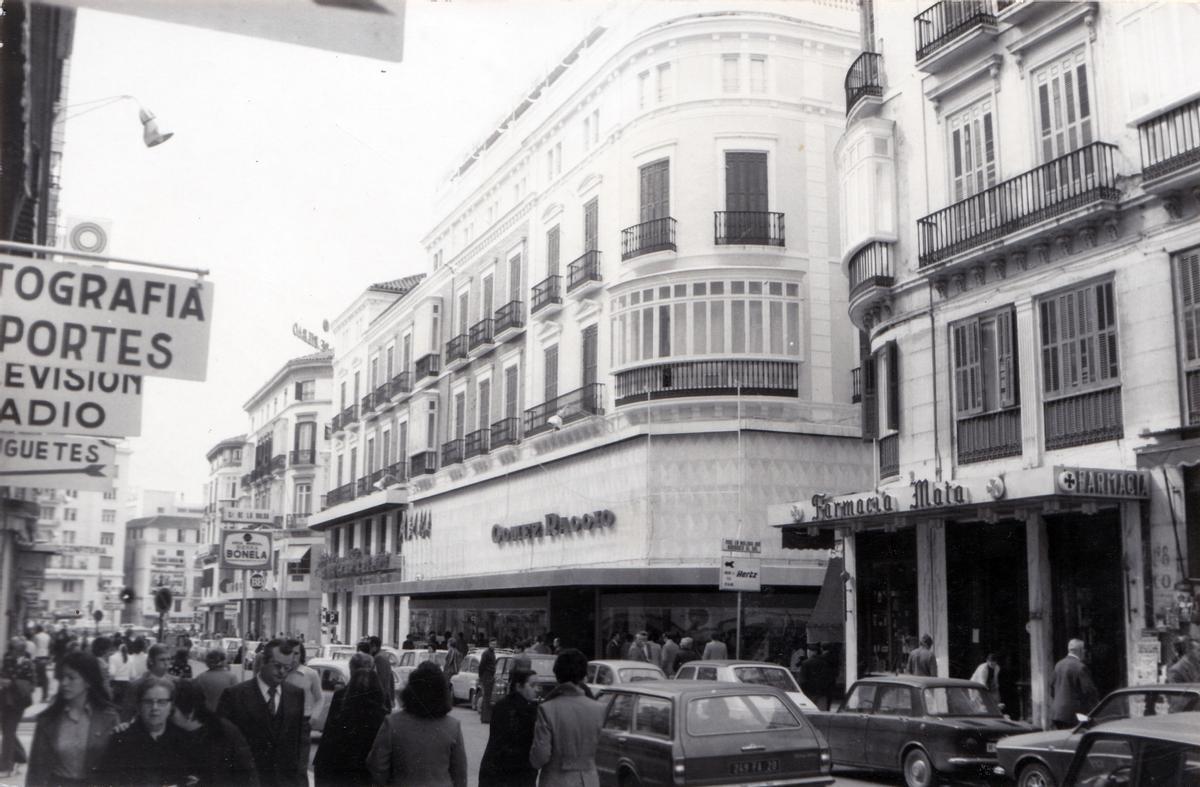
[991, 747]
[753, 766]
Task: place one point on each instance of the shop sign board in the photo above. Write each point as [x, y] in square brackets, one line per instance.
[554, 525]
[258, 581]
[741, 573]
[921, 494]
[102, 318]
[246, 549]
[59, 461]
[1102, 482]
[1149, 651]
[232, 609]
[246, 516]
[40, 398]
[742, 545]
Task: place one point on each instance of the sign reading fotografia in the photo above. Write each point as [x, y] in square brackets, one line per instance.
[246, 549]
[554, 525]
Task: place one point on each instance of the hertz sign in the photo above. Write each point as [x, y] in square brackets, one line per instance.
[246, 549]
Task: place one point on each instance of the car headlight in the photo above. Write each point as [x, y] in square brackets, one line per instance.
[970, 743]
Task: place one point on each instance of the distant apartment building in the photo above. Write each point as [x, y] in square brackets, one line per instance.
[160, 552]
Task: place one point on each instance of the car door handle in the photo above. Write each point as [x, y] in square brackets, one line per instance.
[621, 739]
[754, 747]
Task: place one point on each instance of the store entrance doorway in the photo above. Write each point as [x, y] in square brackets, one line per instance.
[887, 599]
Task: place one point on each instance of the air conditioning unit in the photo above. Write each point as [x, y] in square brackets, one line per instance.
[91, 235]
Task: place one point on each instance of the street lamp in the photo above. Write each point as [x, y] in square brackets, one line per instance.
[152, 135]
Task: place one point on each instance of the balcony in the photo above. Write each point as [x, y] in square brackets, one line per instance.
[477, 443]
[362, 487]
[397, 472]
[1091, 417]
[1071, 187]
[547, 296]
[452, 452]
[305, 456]
[367, 404]
[889, 456]
[482, 335]
[680, 379]
[871, 266]
[400, 385]
[989, 436]
[349, 417]
[383, 397]
[648, 237]
[427, 366]
[423, 463]
[506, 431]
[341, 494]
[1170, 145]
[747, 228]
[856, 385]
[588, 400]
[583, 274]
[297, 520]
[864, 81]
[943, 30]
[509, 320]
[335, 424]
[456, 351]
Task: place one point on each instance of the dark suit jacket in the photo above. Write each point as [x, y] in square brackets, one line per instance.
[1071, 690]
[134, 758]
[275, 743]
[505, 761]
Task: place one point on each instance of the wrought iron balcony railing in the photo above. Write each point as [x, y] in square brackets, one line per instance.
[1171, 141]
[428, 366]
[367, 403]
[400, 384]
[584, 269]
[297, 520]
[889, 456]
[335, 423]
[305, 456]
[989, 436]
[546, 293]
[856, 385]
[1078, 179]
[382, 394]
[510, 316]
[871, 266]
[942, 23]
[423, 463]
[1089, 417]
[452, 452]
[398, 471]
[647, 237]
[588, 400]
[747, 228]
[278, 462]
[340, 494]
[506, 431]
[865, 78]
[456, 349]
[349, 415]
[707, 378]
[477, 443]
[481, 333]
[362, 487]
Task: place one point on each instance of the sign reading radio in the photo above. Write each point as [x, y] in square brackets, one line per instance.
[554, 525]
[246, 549]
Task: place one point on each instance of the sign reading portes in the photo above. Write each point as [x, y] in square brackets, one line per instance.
[60, 461]
[246, 549]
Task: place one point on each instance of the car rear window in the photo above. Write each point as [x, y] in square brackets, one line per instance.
[633, 674]
[620, 713]
[732, 713]
[766, 676]
[653, 717]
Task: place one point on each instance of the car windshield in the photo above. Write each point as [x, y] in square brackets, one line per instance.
[542, 665]
[959, 701]
[732, 713]
[766, 676]
[633, 674]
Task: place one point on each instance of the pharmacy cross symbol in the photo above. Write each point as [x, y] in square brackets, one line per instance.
[1068, 480]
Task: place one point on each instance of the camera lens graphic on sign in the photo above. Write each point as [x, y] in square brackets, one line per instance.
[246, 549]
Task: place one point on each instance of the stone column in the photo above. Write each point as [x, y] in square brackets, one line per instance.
[1040, 625]
[931, 590]
[850, 566]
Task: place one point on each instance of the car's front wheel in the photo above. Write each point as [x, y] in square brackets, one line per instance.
[1035, 775]
[918, 770]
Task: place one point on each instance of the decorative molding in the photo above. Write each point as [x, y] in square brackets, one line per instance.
[959, 280]
[588, 183]
[1042, 250]
[1085, 11]
[552, 210]
[1063, 242]
[979, 274]
[1112, 228]
[942, 286]
[1087, 234]
[1020, 258]
[1173, 205]
[963, 78]
[1000, 268]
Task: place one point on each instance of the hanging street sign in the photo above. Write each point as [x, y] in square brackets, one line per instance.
[246, 516]
[51, 399]
[100, 318]
[246, 549]
[741, 573]
[62, 462]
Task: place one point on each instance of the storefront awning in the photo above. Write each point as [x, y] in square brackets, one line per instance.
[297, 552]
[828, 620]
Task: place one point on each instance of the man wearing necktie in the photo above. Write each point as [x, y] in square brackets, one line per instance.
[270, 714]
[641, 648]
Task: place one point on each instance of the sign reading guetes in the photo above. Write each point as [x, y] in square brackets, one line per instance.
[60, 461]
[246, 549]
[100, 318]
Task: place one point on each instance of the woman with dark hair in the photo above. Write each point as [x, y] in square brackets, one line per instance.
[151, 751]
[568, 728]
[225, 755]
[506, 760]
[72, 734]
[180, 666]
[421, 744]
[355, 714]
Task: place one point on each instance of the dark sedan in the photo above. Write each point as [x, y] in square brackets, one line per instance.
[1040, 759]
[667, 732]
[1161, 751]
[925, 728]
[542, 681]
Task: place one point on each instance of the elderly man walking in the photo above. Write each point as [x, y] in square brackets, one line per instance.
[1071, 689]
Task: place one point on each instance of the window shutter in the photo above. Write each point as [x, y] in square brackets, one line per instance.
[552, 252]
[655, 190]
[967, 391]
[591, 225]
[1188, 266]
[893, 386]
[551, 380]
[870, 399]
[1051, 382]
[589, 355]
[1006, 359]
[460, 413]
[299, 392]
[746, 181]
[510, 392]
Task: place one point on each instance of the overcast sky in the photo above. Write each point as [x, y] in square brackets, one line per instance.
[296, 176]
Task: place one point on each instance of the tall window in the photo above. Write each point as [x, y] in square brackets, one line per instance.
[985, 363]
[1079, 340]
[664, 82]
[406, 352]
[303, 499]
[460, 414]
[655, 190]
[70, 514]
[514, 278]
[306, 436]
[1063, 105]
[746, 181]
[1187, 309]
[402, 439]
[550, 381]
[342, 392]
[374, 373]
[463, 303]
[107, 539]
[385, 448]
[306, 390]
[369, 459]
[486, 295]
[485, 403]
[108, 516]
[589, 355]
[972, 150]
[512, 400]
[552, 251]
[730, 67]
[431, 426]
[758, 73]
[643, 90]
[389, 361]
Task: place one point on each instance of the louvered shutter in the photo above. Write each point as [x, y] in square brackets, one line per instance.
[591, 225]
[590, 337]
[511, 382]
[655, 190]
[893, 385]
[968, 394]
[460, 414]
[870, 400]
[552, 251]
[550, 383]
[1006, 360]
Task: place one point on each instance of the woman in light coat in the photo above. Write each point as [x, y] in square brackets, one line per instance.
[568, 728]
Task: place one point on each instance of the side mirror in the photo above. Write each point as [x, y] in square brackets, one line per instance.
[1083, 719]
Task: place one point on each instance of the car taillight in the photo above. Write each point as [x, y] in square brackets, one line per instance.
[677, 772]
[826, 761]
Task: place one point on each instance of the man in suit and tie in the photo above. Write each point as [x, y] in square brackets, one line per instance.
[270, 714]
[1071, 689]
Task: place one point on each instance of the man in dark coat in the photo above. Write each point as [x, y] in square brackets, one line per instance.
[383, 668]
[1071, 689]
[487, 680]
[922, 661]
[270, 713]
[817, 678]
[505, 761]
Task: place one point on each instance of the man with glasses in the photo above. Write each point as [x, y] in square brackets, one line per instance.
[270, 714]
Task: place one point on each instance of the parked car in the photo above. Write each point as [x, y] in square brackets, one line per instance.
[1041, 759]
[464, 684]
[1159, 751]
[408, 661]
[701, 732]
[542, 665]
[334, 673]
[925, 728]
[614, 672]
[760, 673]
[343, 652]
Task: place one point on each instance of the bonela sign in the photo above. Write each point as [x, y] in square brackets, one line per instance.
[246, 549]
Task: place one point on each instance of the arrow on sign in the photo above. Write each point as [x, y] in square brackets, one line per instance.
[92, 470]
[728, 564]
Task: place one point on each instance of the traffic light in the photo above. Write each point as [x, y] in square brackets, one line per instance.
[127, 595]
[162, 599]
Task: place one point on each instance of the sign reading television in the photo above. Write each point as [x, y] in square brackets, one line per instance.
[246, 549]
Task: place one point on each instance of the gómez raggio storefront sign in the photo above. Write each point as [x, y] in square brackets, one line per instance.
[554, 525]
